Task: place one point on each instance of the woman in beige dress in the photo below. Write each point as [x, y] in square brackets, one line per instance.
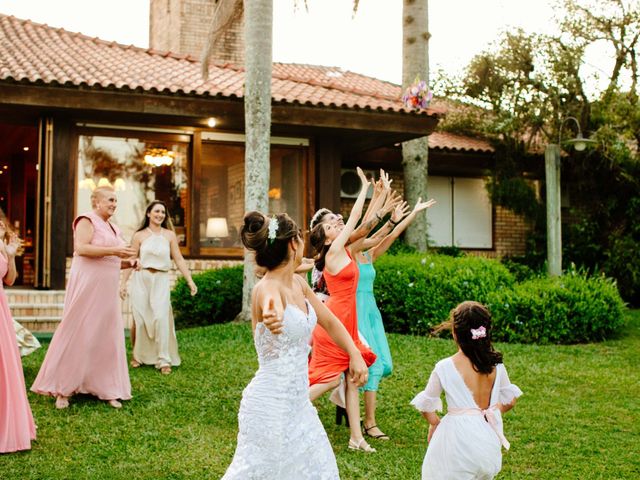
[153, 333]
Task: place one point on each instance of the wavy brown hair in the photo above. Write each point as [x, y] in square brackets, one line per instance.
[269, 253]
[167, 223]
[465, 317]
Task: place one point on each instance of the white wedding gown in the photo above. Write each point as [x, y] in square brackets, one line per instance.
[280, 436]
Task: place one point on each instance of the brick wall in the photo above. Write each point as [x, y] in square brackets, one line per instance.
[182, 26]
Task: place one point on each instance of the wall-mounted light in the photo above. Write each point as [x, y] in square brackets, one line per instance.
[211, 122]
[26, 149]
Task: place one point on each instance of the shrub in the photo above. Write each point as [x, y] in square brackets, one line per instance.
[416, 292]
[623, 263]
[573, 308]
[219, 298]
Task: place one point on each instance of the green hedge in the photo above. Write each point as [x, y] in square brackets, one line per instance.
[573, 308]
[416, 292]
[219, 298]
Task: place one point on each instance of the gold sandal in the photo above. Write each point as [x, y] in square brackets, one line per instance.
[165, 370]
[361, 445]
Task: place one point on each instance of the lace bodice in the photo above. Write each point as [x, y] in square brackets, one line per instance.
[293, 342]
[280, 435]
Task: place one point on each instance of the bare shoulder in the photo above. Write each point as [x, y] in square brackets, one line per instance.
[169, 235]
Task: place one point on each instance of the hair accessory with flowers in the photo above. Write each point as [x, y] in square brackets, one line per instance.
[477, 333]
[273, 229]
[316, 216]
[417, 96]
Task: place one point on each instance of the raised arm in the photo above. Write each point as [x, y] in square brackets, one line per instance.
[391, 202]
[11, 250]
[401, 227]
[177, 257]
[339, 243]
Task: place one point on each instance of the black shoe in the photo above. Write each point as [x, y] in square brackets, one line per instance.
[341, 412]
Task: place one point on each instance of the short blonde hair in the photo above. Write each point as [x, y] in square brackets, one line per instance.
[98, 191]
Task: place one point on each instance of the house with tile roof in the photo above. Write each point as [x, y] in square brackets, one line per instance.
[77, 112]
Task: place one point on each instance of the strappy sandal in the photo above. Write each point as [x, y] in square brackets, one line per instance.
[381, 436]
[114, 403]
[165, 370]
[361, 445]
[134, 363]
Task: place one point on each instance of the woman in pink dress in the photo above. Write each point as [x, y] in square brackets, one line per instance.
[16, 422]
[87, 353]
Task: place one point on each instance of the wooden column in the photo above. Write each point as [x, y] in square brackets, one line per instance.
[328, 165]
[63, 181]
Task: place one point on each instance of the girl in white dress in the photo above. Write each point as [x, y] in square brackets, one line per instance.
[466, 443]
[153, 333]
[280, 436]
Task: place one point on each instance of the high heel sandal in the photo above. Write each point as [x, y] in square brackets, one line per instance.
[340, 413]
[114, 403]
[381, 436]
[361, 445]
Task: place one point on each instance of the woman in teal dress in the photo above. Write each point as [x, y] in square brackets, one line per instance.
[370, 323]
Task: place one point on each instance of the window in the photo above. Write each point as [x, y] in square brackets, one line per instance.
[140, 170]
[222, 192]
[463, 214]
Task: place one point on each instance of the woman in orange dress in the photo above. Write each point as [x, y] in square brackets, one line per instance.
[329, 236]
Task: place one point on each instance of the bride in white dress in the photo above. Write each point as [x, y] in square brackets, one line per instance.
[466, 443]
[280, 435]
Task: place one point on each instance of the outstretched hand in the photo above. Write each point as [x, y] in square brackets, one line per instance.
[420, 205]
[363, 177]
[358, 371]
[272, 317]
[13, 246]
[400, 212]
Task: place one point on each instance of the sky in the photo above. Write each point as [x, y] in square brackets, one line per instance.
[327, 33]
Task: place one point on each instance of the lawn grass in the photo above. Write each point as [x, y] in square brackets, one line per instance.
[579, 417]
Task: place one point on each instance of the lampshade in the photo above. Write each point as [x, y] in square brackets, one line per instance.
[217, 227]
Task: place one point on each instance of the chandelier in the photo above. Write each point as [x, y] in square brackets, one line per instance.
[158, 157]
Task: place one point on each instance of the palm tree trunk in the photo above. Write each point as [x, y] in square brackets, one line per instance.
[257, 113]
[415, 153]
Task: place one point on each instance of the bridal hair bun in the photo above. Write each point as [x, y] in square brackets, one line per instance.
[268, 236]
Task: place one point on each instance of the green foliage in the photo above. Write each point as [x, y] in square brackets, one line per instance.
[219, 298]
[451, 251]
[184, 426]
[416, 292]
[574, 308]
[623, 262]
[521, 268]
[400, 247]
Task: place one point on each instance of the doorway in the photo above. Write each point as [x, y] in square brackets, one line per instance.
[18, 190]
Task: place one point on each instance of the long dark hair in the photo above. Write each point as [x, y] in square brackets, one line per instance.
[167, 223]
[471, 325]
[317, 237]
[269, 252]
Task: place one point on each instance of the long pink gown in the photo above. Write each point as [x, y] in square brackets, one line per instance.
[16, 421]
[87, 353]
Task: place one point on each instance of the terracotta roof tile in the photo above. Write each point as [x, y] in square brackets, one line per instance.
[454, 142]
[35, 53]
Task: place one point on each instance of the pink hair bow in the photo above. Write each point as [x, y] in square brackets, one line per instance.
[477, 333]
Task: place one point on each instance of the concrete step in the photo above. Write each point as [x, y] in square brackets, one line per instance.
[36, 309]
[37, 297]
[39, 323]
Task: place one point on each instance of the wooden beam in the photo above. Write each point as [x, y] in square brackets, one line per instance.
[230, 113]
